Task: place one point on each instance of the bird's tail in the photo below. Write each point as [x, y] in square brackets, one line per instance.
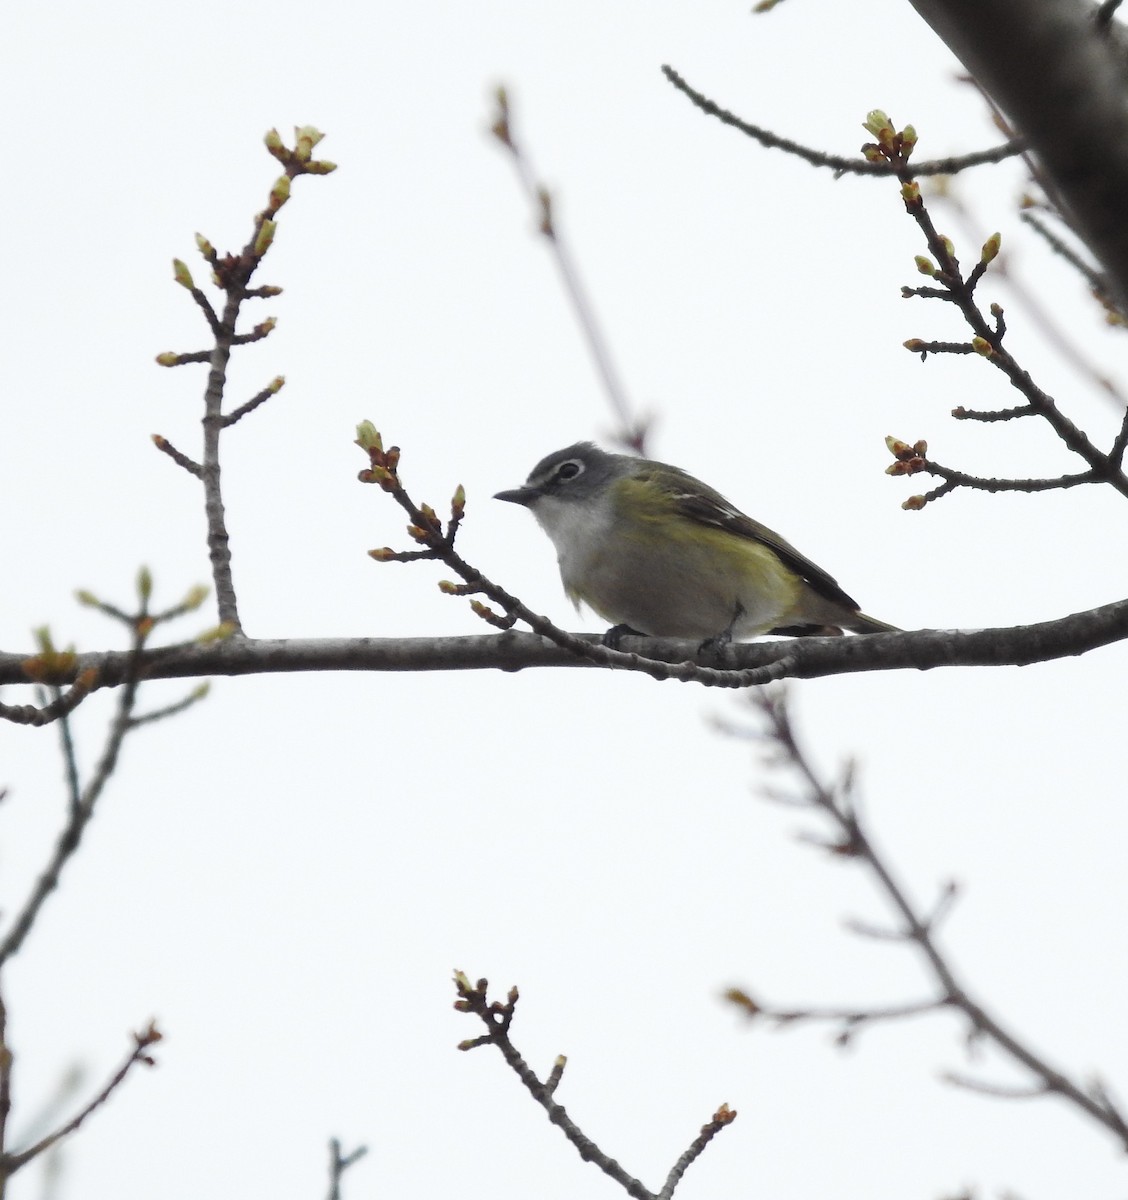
[862, 623]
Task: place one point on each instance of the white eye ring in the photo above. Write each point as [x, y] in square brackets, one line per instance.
[568, 470]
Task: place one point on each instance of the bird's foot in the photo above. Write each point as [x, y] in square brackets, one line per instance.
[612, 639]
[714, 647]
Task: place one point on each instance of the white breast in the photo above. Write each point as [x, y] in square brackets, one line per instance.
[578, 531]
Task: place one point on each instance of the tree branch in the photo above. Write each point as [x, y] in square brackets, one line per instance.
[1061, 80]
[838, 163]
[836, 802]
[799, 658]
[497, 1017]
[10, 1163]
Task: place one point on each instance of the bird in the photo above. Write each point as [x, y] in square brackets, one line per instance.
[658, 553]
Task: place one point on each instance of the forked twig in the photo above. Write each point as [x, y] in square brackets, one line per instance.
[851, 840]
[498, 1017]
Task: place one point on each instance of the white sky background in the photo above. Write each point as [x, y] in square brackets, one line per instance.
[286, 876]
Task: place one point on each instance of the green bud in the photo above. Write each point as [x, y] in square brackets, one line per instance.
[181, 274]
[144, 584]
[280, 192]
[275, 145]
[368, 436]
[218, 633]
[305, 138]
[991, 248]
[195, 597]
[264, 237]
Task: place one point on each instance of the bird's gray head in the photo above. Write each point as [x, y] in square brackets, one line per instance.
[575, 473]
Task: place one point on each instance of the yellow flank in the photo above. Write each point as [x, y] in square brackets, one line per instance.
[700, 575]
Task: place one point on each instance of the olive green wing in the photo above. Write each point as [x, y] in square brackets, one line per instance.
[699, 502]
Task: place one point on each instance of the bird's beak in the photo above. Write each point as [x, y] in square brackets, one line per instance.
[522, 495]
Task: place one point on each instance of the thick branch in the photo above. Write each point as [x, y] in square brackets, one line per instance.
[1062, 81]
[800, 658]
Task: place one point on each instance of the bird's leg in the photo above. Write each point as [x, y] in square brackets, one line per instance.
[713, 646]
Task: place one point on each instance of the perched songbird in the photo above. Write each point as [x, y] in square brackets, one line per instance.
[657, 552]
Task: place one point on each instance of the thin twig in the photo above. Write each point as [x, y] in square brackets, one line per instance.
[959, 290]
[984, 484]
[1042, 315]
[232, 274]
[1089, 273]
[1104, 14]
[10, 1163]
[62, 705]
[81, 804]
[339, 1163]
[723, 1117]
[918, 929]
[181, 460]
[271, 389]
[219, 541]
[632, 430]
[171, 710]
[851, 1019]
[6, 1059]
[835, 162]
[498, 1017]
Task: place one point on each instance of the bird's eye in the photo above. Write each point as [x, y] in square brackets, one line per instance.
[569, 469]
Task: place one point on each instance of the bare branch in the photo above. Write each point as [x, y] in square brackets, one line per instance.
[232, 273]
[10, 1163]
[838, 163]
[81, 806]
[632, 430]
[498, 1017]
[757, 662]
[1061, 78]
[181, 460]
[62, 705]
[851, 1020]
[81, 799]
[1061, 248]
[987, 342]
[917, 929]
[339, 1163]
[271, 389]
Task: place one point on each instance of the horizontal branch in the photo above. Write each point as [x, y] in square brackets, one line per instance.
[798, 658]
